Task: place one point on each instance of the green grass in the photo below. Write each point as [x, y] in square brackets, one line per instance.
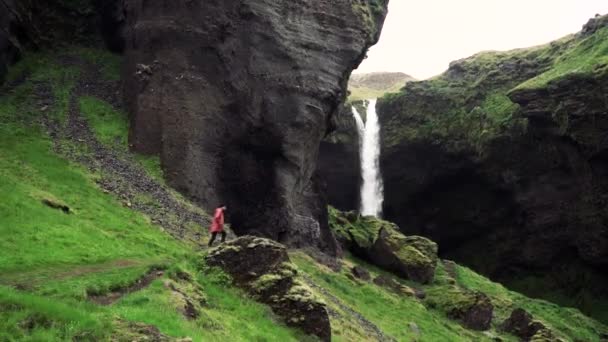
[388, 311]
[26, 317]
[587, 56]
[227, 315]
[109, 125]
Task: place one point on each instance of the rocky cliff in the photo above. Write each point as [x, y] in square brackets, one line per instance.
[502, 161]
[339, 163]
[236, 96]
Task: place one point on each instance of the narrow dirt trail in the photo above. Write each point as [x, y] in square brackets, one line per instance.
[114, 296]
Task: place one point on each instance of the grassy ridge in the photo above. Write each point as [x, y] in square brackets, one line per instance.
[468, 105]
[587, 56]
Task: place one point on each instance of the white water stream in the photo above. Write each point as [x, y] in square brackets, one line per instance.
[372, 188]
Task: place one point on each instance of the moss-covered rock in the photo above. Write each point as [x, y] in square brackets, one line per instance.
[381, 242]
[262, 267]
[412, 257]
[523, 325]
[473, 309]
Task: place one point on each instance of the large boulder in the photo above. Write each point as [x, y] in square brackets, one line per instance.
[262, 267]
[235, 96]
[381, 243]
[521, 324]
[472, 309]
[411, 257]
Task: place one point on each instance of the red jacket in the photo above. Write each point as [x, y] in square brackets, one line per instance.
[217, 226]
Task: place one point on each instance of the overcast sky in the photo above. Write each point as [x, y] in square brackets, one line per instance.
[421, 37]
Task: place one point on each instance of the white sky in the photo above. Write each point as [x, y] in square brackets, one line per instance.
[421, 37]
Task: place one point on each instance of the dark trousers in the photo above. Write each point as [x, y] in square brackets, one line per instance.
[214, 234]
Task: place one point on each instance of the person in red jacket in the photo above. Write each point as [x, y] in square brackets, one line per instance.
[217, 225]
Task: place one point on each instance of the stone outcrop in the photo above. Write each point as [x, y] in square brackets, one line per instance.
[381, 243]
[521, 324]
[262, 267]
[473, 309]
[502, 161]
[476, 313]
[236, 96]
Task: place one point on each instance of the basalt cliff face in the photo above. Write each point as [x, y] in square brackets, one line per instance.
[339, 164]
[502, 160]
[236, 96]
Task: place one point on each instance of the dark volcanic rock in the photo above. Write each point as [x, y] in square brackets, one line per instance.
[112, 21]
[11, 39]
[44, 24]
[339, 164]
[478, 314]
[473, 309]
[521, 324]
[236, 96]
[361, 273]
[262, 267]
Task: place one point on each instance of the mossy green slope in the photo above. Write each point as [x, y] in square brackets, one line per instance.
[450, 289]
[53, 260]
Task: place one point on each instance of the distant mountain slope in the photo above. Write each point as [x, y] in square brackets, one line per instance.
[376, 84]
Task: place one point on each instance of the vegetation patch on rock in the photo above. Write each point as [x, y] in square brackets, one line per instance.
[262, 267]
[381, 242]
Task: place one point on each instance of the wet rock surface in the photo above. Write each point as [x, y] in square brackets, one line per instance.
[232, 97]
[262, 267]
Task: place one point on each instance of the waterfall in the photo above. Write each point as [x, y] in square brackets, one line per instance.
[360, 124]
[372, 188]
